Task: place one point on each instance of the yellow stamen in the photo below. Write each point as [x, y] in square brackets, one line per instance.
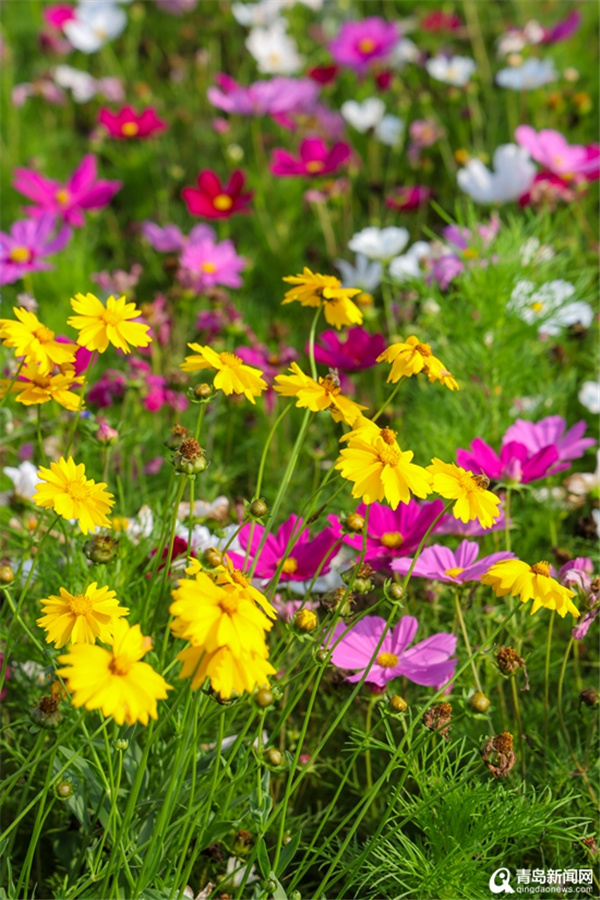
[453, 573]
[208, 267]
[20, 254]
[130, 129]
[366, 45]
[230, 359]
[80, 604]
[387, 660]
[120, 665]
[62, 197]
[290, 566]
[541, 568]
[391, 539]
[314, 166]
[388, 435]
[222, 202]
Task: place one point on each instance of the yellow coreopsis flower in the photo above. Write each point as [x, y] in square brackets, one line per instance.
[228, 673]
[100, 325]
[379, 468]
[515, 577]
[81, 618]
[233, 375]
[410, 357]
[35, 342]
[115, 681]
[313, 289]
[473, 500]
[32, 387]
[237, 582]
[318, 395]
[65, 489]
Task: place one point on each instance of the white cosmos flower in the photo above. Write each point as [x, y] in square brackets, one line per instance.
[411, 264]
[405, 51]
[363, 116]
[364, 274]
[531, 75]
[390, 130]
[95, 24]
[511, 177]
[546, 305]
[589, 396]
[275, 51]
[82, 85]
[24, 478]
[379, 243]
[456, 71]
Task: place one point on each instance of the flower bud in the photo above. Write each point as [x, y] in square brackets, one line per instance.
[273, 757]
[177, 436]
[589, 697]
[306, 620]
[396, 592]
[341, 599]
[6, 575]
[264, 698]
[398, 704]
[354, 523]
[189, 458]
[258, 509]
[479, 702]
[323, 655]
[102, 548]
[64, 790]
[202, 393]
[213, 557]
[121, 744]
[105, 434]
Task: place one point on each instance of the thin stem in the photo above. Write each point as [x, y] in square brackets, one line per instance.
[465, 635]
[547, 683]
[563, 726]
[517, 707]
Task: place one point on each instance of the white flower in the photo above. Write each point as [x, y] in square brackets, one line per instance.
[82, 85]
[512, 176]
[390, 130]
[275, 51]
[24, 479]
[136, 527]
[94, 24]
[379, 243]
[405, 51]
[532, 74]
[596, 518]
[456, 71]
[364, 274]
[546, 305]
[412, 263]
[589, 396]
[256, 14]
[534, 253]
[363, 116]
[237, 868]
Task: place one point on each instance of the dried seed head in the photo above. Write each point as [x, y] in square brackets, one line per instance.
[177, 436]
[589, 696]
[189, 458]
[438, 718]
[498, 755]
[509, 660]
[503, 743]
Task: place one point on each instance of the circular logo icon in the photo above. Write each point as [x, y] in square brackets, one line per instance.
[500, 881]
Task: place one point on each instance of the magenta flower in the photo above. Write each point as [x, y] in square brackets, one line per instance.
[81, 192]
[427, 663]
[444, 270]
[171, 239]
[304, 559]
[563, 29]
[270, 362]
[552, 150]
[360, 43]
[439, 563]
[356, 349]
[551, 431]
[405, 199]
[516, 464]
[548, 189]
[393, 532]
[576, 573]
[58, 13]
[83, 356]
[23, 250]
[263, 98]
[127, 124]
[110, 388]
[205, 263]
[316, 158]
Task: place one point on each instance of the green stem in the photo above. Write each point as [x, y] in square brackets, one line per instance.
[563, 726]
[547, 684]
[11, 384]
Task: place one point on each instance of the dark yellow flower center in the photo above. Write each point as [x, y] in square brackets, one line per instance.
[20, 254]
[470, 253]
[222, 202]
[43, 334]
[388, 436]
[453, 573]
[230, 359]
[537, 306]
[387, 660]
[111, 317]
[367, 45]
[130, 129]
[62, 196]
[239, 578]
[391, 539]
[423, 349]
[290, 566]
[388, 456]
[77, 491]
[208, 267]
[80, 605]
[229, 604]
[120, 665]
[315, 165]
[541, 568]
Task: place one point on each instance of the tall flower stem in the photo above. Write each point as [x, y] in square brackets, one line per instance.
[517, 708]
[10, 385]
[547, 684]
[465, 635]
[563, 727]
[385, 405]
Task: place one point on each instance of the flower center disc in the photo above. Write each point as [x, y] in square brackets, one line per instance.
[222, 202]
[80, 605]
[454, 573]
[120, 665]
[541, 568]
[290, 566]
[43, 334]
[229, 604]
[230, 359]
[77, 491]
[391, 539]
[366, 45]
[62, 197]
[387, 660]
[20, 254]
[314, 166]
[130, 129]
[208, 267]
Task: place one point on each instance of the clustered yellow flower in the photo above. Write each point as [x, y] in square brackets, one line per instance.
[233, 375]
[518, 578]
[81, 618]
[411, 357]
[318, 395]
[99, 325]
[219, 615]
[313, 289]
[65, 489]
[473, 500]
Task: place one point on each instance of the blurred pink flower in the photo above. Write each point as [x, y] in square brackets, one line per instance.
[58, 13]
[29, 241]
[552, 150]
[547, 189]
[118, 282]
[315, 159]
[439, 563]
[563, 29]
[551, 432]
[171, 239]
[279, 95]
[108, 389]
[155, 313]
[205, 264]
[41, 87]
[177, 7]
[360, 43]
[405, 199]
[127, 124]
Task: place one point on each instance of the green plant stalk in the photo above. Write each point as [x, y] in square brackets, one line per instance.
[547, 685]
[38, 430]
[37, 828]
[563, 727]
[165, 576]
[517, 708]
[507, 498]
[11, 384]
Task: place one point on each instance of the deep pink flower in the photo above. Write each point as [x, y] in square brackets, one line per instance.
[205, 263]
[563, 29]
[212, 200]
[439, 563]
[552, 150]
[222, 317]
[108, 389]
[316, 158]
[351, 351]
[57, 14]
[438, 20]
[392, 533]
[360, 43]
[29, 241]
[156, 393]
[304, 559]
[548, 189]
[427, 663]
[83, 356]
[127, 124]
[324, 74]
[263, 98]
[516, 464]
[81, 192]
[405, 199]
[551, 432]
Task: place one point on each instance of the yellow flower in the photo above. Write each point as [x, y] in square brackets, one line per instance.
[235, 581]
[515, 577]
[73, 496]
[99, 325]
[313, 289]
[210, 616]
[233, 376]
[81, 618]
[379, 468]
[35, 342]
[34, 387]
[318, 395]
[115, 681]
[229, 673]
[410, 357]
[473, 500]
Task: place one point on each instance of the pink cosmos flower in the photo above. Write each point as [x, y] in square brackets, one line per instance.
[171, 239]
[118, 282]
[41, 87]
[563, 29]
[127, 124]
[57, 14]
[551, 432]
[548, 189]
[205, 263]
[353, 351]
[304, 559]
[108, 389]
[360, 43]
[552, 150]
[405, 199]
[316, 158]
[212, 200]
[393, 532]
[83, 356]
[449, 525]
[516, 464]
[427, 663]
[81, 192]
[263, 98]
[439, 563]
[29, 241]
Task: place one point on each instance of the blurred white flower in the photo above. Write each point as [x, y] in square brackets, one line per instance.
[456, 71]
[546, 305]
[534, 253]
[589, 396]
[412, 263]
[532, 74]
[95, 24]
[390, 130]
[275, 51]
[379, 243]
[405, 51]
[24, 479]
[511, 177]
[84, 87]
[136, 527]
[363, 116]
[256, 14]
[363, 274]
